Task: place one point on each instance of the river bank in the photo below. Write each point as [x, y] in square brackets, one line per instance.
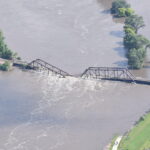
[137, 138]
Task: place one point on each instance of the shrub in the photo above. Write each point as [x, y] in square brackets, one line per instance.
[5, 66]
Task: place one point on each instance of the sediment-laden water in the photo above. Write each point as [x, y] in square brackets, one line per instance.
[40, 112]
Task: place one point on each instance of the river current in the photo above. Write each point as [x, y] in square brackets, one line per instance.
[41, 112]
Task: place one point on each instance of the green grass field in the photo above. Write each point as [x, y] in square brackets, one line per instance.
[139, 137]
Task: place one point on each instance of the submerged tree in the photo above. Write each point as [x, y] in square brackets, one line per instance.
[135, 21]
[135, 41]
[136, 58]
[119, 4]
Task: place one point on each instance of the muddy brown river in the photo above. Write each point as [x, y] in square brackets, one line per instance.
[41, 112]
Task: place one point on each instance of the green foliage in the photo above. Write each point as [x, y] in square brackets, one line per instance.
[129, 12]
[135, 44]
[132, 40]
[119, 4]
[5, 66]
[125, 12]
[129, 31]
[121, 12]
[5, 52]
[136, 57]
[135, 21]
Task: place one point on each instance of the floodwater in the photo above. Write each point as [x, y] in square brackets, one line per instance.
[41, 112]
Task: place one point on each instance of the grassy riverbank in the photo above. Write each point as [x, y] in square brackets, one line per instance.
[113, 142]
[139, 137]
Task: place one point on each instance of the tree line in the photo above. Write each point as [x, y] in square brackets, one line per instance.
[135, 43]
[6, 54]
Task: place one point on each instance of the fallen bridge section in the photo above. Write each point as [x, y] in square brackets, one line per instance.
[39, 64]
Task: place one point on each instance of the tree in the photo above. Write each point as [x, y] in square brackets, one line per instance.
[132, 40]
[5, 52]
[136, 58]
[119, 4]
[135, 21]
[129, 41]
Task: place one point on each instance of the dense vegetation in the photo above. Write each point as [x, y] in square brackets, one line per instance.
[121, 8]
[5, 52]
[135, 43]
[5, 66]
[139, 137]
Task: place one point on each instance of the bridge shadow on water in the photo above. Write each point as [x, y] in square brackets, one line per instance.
[107, 11]
[123, 63]
[120, 51]
[118, 34]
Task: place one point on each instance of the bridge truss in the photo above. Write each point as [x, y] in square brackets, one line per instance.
[110, 73]
[39, 64]
[104, 73]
